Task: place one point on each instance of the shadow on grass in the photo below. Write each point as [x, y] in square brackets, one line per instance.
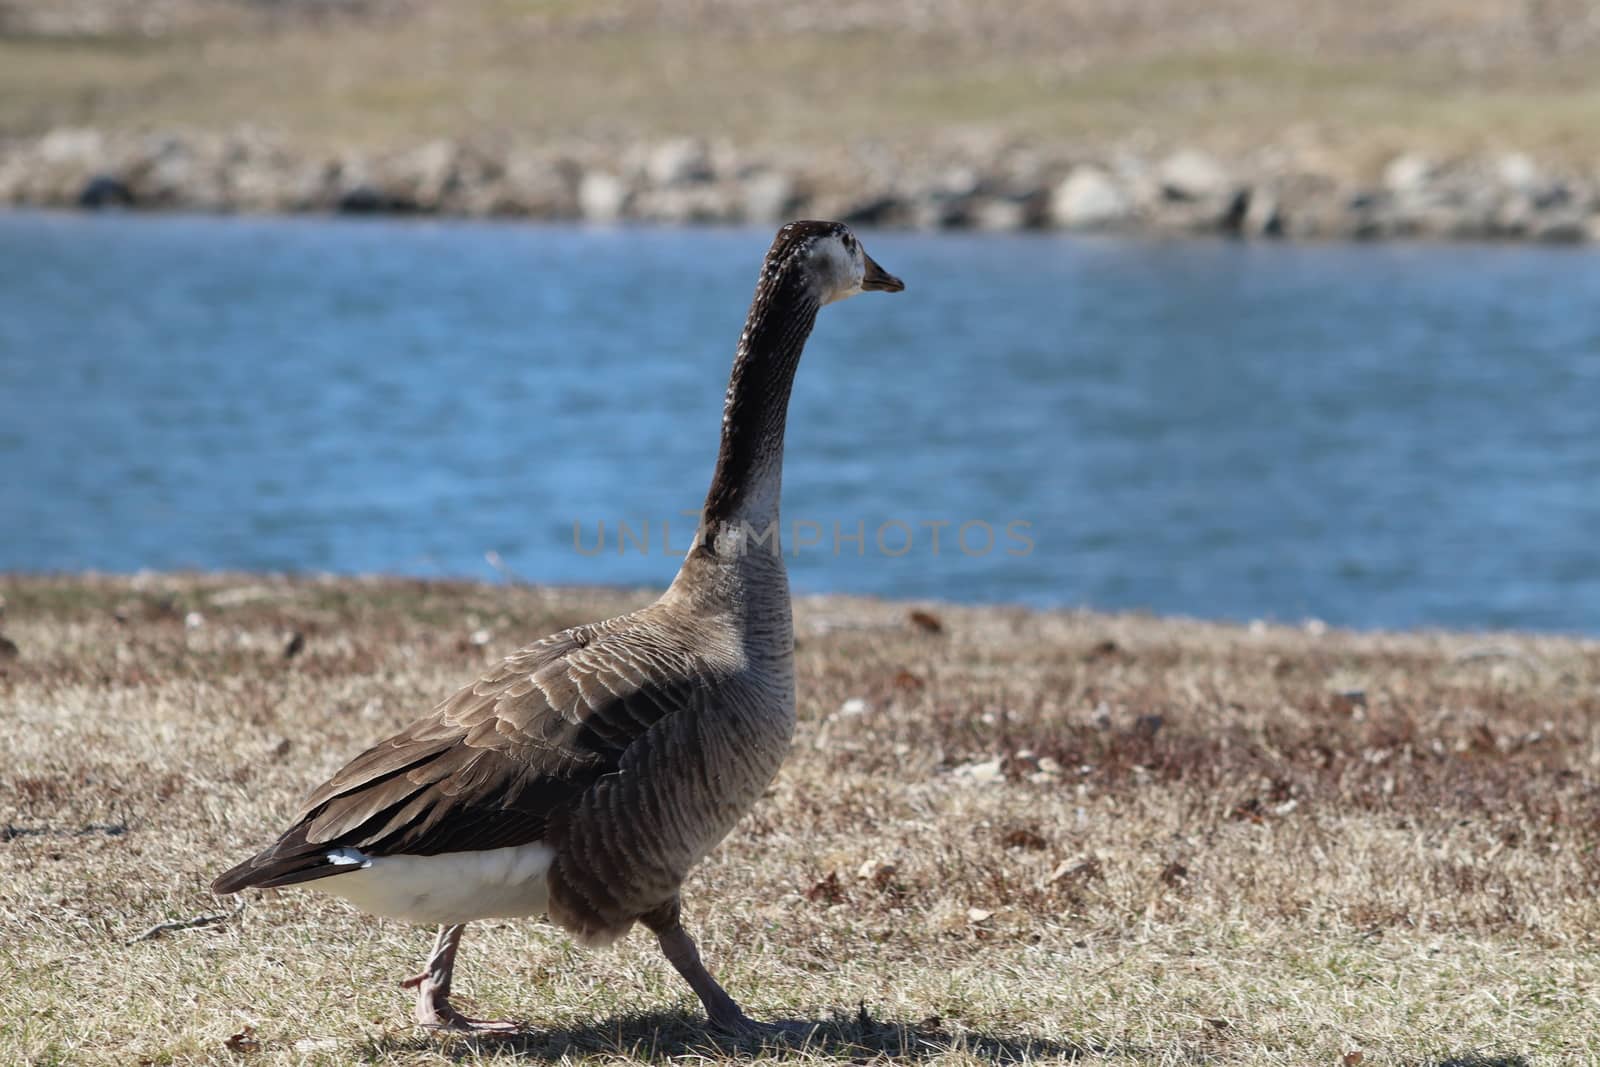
[658, 1036]
[1479, 1059]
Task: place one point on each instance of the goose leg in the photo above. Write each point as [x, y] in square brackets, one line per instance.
[433, 989]
[723, 1011]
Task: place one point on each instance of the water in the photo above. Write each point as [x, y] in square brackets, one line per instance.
[1378, 436]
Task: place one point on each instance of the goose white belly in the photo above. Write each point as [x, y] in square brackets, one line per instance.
[448, 888]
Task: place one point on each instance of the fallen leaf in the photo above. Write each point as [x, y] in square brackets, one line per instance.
[1081, 870]
[1220, 1024]
[1354, 1057]
[926, 621]
[1024, 837]
[979, 915]
[1173, 874]
[827, 891]
[908, 682]
[243, 1041]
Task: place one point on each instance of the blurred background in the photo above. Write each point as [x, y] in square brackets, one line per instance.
[1237, 310]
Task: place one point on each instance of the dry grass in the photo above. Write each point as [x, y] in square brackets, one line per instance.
[1198, 845]
[1351, 78]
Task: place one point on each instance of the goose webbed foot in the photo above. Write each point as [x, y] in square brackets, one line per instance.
[722, 1010]
[433, 991]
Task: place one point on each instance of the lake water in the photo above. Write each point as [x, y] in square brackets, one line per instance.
[1377, 436]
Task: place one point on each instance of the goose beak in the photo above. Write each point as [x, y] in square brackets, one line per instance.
[878, 280]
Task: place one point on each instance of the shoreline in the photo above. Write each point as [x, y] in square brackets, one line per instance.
[1508, 197]
[195, 589]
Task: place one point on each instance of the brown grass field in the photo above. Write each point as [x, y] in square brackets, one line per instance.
[1351, 80]
[1002, 837]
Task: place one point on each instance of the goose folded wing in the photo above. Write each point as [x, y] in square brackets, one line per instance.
[489, 767]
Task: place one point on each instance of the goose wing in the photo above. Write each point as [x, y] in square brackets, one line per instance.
[496, 762]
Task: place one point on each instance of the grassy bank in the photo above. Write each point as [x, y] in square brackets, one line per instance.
[1355, 81]
[1002, 835]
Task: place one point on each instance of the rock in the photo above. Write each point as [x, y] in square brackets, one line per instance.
[71, 147]
[679, 161]
[706, 202]
[1089, 198]
[958, 183]
[103, 191]
[1233, 213]
[535, 185]
[860, 208]
[430, 174]
[1001, 214]
[1553, 194]
[1516, 171]
[1263, 216]
[362, 198]
[312, 186]
[1192, 175]
[1408, 174]
[1565, 228]
[178, 172]
[264, 182]
[930, 210]
[602, 197]
[768, 196]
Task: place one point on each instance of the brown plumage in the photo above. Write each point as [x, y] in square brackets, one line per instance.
[584, 776]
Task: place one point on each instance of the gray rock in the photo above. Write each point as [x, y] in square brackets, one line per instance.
[178, 172]
[363, 199]
[1517, 172]
[769, 196]
[1089, 198]
[687, 203]
[427, 176]
[1001, 214]
[1192, 175]
[602, 197]
[928, 209]
[536, 185]
[867, 209]
[103, 191]
[1263, 215]
[71, 147]
[1408, 174]
[679, 161]
[958, 183]
[1563, 228]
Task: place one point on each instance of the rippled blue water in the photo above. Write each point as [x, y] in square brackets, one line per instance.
[1373, 435]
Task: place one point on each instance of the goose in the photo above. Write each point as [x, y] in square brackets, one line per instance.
[583, 777]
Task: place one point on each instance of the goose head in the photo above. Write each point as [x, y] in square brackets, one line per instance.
[829, 260]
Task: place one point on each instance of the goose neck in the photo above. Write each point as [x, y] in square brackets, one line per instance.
[748, 481]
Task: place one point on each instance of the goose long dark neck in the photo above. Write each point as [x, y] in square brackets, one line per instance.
[749, 473]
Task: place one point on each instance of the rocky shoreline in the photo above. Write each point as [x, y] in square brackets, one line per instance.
[1505, 197]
